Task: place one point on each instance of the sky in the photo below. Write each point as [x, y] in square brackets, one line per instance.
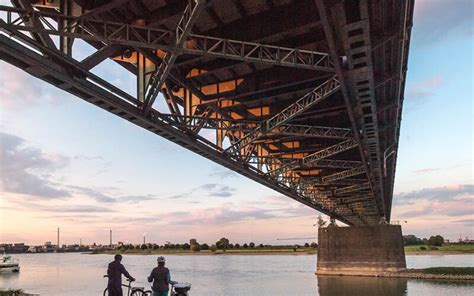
[66, 163]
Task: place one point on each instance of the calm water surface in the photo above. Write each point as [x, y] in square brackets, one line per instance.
[81, 274]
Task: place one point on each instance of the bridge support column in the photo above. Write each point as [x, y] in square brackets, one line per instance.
[360, 250]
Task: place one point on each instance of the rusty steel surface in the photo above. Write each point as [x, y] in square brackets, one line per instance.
[302, 96]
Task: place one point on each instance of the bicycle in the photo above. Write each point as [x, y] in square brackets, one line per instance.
[135, 291]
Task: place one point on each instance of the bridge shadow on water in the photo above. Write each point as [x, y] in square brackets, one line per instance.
[361, 286]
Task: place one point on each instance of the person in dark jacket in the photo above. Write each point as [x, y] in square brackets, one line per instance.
[114, 272]
[161, 278]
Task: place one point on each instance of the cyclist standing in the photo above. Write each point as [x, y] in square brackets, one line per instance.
[114, 272]
[160, 276]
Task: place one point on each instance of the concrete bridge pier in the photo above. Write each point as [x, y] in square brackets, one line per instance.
[360, 250]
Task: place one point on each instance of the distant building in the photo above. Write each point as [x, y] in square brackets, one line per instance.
[466, 241]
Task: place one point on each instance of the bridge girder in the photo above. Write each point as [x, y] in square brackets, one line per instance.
[273, 98]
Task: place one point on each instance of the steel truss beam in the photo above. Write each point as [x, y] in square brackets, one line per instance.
[352, 188]
[317, 156]
[344, 174]
[183, 29]
[296, 130]
[330, 151]
[321, 92]
[312, 131]
[154, 38]
[80, 82]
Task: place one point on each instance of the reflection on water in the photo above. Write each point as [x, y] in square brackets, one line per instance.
[236, 275]
[361, 286]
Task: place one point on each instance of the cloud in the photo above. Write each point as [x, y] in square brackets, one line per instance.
[218, 215]
[436, 20]
[102, 197]
[64, 208]
[425, 88]
[21, 169]
[466, 222]
[425, 170]
[79, 209]
[209, 189]
[28, 170]
[436, 193]
[105, 165]
[18, 89]
[453, 201]
[222, 173]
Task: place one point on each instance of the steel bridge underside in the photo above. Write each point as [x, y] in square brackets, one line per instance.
[302, 96]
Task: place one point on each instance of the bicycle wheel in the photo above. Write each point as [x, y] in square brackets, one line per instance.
[106, 292]
[140, 292]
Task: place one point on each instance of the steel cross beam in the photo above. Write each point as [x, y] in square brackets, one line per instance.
[183, 29]
[331, 150]
[313, 131]
[154, 38]
[316, 156]
[352, 188]
[321, 92]
[296, 130]
[344, 174]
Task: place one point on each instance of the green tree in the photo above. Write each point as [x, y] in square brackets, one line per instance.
[144, 247]
[193, 241]
[213, 248]
[237, 246]
[252, 245]
[195, 248]
[222, 244]
[436, 240]
[411, 240]
[204, 246]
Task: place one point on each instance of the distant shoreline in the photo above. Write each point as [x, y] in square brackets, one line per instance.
[418, 250]
[265, 252]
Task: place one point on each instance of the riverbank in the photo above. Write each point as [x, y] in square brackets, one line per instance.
[15, 292]
[300, 251]
[455, 249]
[435, 273]
[448, 249]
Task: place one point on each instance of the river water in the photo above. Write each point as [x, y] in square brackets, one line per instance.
[76, 274]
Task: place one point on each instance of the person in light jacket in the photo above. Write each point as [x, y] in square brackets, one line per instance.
[161, 278]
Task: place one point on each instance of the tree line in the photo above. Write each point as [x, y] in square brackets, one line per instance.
[434, 240]
[222, 244]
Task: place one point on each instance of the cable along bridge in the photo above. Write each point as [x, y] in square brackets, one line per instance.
[302, 96]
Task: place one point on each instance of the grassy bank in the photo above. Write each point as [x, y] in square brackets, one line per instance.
[435, 273]
[15, 292]
[445, 249]
[448, 270]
